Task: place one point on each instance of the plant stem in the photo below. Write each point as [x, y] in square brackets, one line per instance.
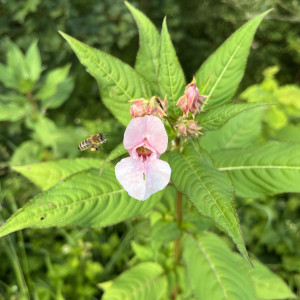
[178, 241]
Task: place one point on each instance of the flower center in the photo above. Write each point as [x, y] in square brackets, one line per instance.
[143, 151]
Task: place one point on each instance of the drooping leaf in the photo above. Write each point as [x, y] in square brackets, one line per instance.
[210, 191]
[170, 75]
[83, 199]
[47, 174]
[212, 270]
[115, 153]
[226, 65]
[147, 56]
[240, 131]
[33, 60]
[217, 117]
[145, 281]
[266, 283]
[267, 169]
[117, 81]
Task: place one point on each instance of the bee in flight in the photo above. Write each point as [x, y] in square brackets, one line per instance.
[95, 142]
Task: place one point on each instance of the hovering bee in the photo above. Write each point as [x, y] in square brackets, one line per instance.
[95, 142]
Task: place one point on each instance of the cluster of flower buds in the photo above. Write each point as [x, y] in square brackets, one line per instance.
[192, 100]
[188, 128]
[154, 106]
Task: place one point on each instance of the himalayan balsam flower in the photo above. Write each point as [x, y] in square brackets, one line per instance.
[192, 100]
[143, 173]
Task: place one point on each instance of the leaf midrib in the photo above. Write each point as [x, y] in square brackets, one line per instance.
[84, 53]
[213, 268]
[209, 194]
[229, 168]
[226, 67]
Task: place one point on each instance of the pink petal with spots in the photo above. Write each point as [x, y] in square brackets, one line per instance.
[141, 180]
[148, 127]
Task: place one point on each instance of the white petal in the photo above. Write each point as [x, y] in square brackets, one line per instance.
[158, 173]
[130, 174]
[140, 182]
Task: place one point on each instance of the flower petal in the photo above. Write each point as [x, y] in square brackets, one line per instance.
[158, 173]
[148, 127]
[129, 173]
[140, 185]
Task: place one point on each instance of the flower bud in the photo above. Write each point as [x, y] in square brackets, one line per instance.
[192, 100]
[137, 109]
[188, 128]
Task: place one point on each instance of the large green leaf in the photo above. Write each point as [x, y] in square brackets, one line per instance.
[83, 199]
[147, 56]
[47, 174]
[226, 65]
[267, 284]
[145, 281]
[266, 169]
[240, 131]
[170, 75]
[213, 272]
[218, 116]
[117, 81]
[210, 191]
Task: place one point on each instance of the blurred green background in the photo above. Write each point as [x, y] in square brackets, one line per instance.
[68, 263]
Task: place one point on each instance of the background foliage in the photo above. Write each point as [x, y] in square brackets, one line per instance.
[47, 263]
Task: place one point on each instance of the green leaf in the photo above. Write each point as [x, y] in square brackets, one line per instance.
[53, 79]
[11, 111]
[33, 60]
[83, 199]
[143, 253]
[217, 117]
[145, 281]
[213, 271]
[63, 91]
[164, 231]
[7, 78]
[267, 284]
[26, 153]
[267, 169]
[47, 174]
[147, 56]
[115, 153]
[16, 63]
[117, 81]
[210, 191]
[240, 131]
[227, 64]
[170, 75]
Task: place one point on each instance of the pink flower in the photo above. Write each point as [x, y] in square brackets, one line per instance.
[143, 173]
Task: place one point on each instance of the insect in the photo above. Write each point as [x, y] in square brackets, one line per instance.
[95, 142]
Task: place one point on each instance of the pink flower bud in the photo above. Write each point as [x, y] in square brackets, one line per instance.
[192, 100]
[142, 107]
[137, 109]
[188, 128]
